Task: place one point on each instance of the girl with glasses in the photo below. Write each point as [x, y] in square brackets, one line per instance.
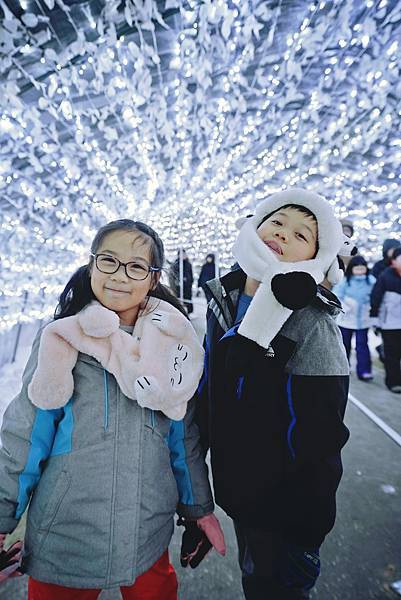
[101, 441]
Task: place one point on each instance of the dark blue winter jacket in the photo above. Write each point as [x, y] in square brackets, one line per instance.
[274, 419]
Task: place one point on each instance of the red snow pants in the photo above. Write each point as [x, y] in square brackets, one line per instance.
[158, 583]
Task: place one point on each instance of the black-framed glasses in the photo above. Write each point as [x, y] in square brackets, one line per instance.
[136, 269]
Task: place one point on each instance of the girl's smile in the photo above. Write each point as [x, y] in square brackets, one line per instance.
[115, 291]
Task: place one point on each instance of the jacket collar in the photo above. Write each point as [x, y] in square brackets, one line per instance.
[328, 299]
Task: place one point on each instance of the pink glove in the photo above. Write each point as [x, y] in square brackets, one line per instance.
[211, 528]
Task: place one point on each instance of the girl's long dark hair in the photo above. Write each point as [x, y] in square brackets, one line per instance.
[354, 262]
[78, 291]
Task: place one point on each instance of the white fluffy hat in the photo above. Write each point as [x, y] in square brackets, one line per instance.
[330, 234]
[266, 315]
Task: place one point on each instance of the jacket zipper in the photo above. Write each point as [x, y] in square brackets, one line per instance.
[222, 311]
[240, 386]
[106, 400]
[113, 493]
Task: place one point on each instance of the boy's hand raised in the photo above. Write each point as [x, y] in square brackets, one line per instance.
[294, 290]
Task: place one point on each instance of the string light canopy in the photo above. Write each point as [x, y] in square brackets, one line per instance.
[184, 114]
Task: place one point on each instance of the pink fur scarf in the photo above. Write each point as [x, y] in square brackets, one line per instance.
[159, 365]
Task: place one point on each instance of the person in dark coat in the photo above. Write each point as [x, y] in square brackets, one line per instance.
[188, 279]
[386, 313]
[388, 249]
[208, 272]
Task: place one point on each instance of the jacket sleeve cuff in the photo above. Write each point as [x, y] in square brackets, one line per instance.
[194, 511]
[8, 524]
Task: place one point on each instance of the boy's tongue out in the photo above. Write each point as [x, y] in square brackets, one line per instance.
[275, 247]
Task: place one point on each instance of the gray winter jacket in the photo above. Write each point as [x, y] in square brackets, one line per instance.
[104, 478]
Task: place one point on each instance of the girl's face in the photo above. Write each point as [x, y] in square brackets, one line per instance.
[359, 270]
[117, 291]
[290, 234]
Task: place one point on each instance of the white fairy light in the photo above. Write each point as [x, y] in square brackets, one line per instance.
[215, 137]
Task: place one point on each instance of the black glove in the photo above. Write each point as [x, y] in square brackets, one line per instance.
[9, 561]
[194, 546]
[294, 290]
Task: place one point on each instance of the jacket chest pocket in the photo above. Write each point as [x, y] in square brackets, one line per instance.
[283, 349]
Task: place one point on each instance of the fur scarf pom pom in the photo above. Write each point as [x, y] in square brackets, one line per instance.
[97, 321]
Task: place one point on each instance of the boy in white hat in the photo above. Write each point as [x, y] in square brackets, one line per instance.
[273, 396]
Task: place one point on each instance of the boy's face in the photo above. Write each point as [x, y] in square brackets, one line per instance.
[290, 234]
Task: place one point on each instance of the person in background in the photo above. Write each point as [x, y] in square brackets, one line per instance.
[208, 272]
[188, 279]
[386, 312]
[388, 248]
[354, 293]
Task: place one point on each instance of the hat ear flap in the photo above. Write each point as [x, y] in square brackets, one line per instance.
[334, 274]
